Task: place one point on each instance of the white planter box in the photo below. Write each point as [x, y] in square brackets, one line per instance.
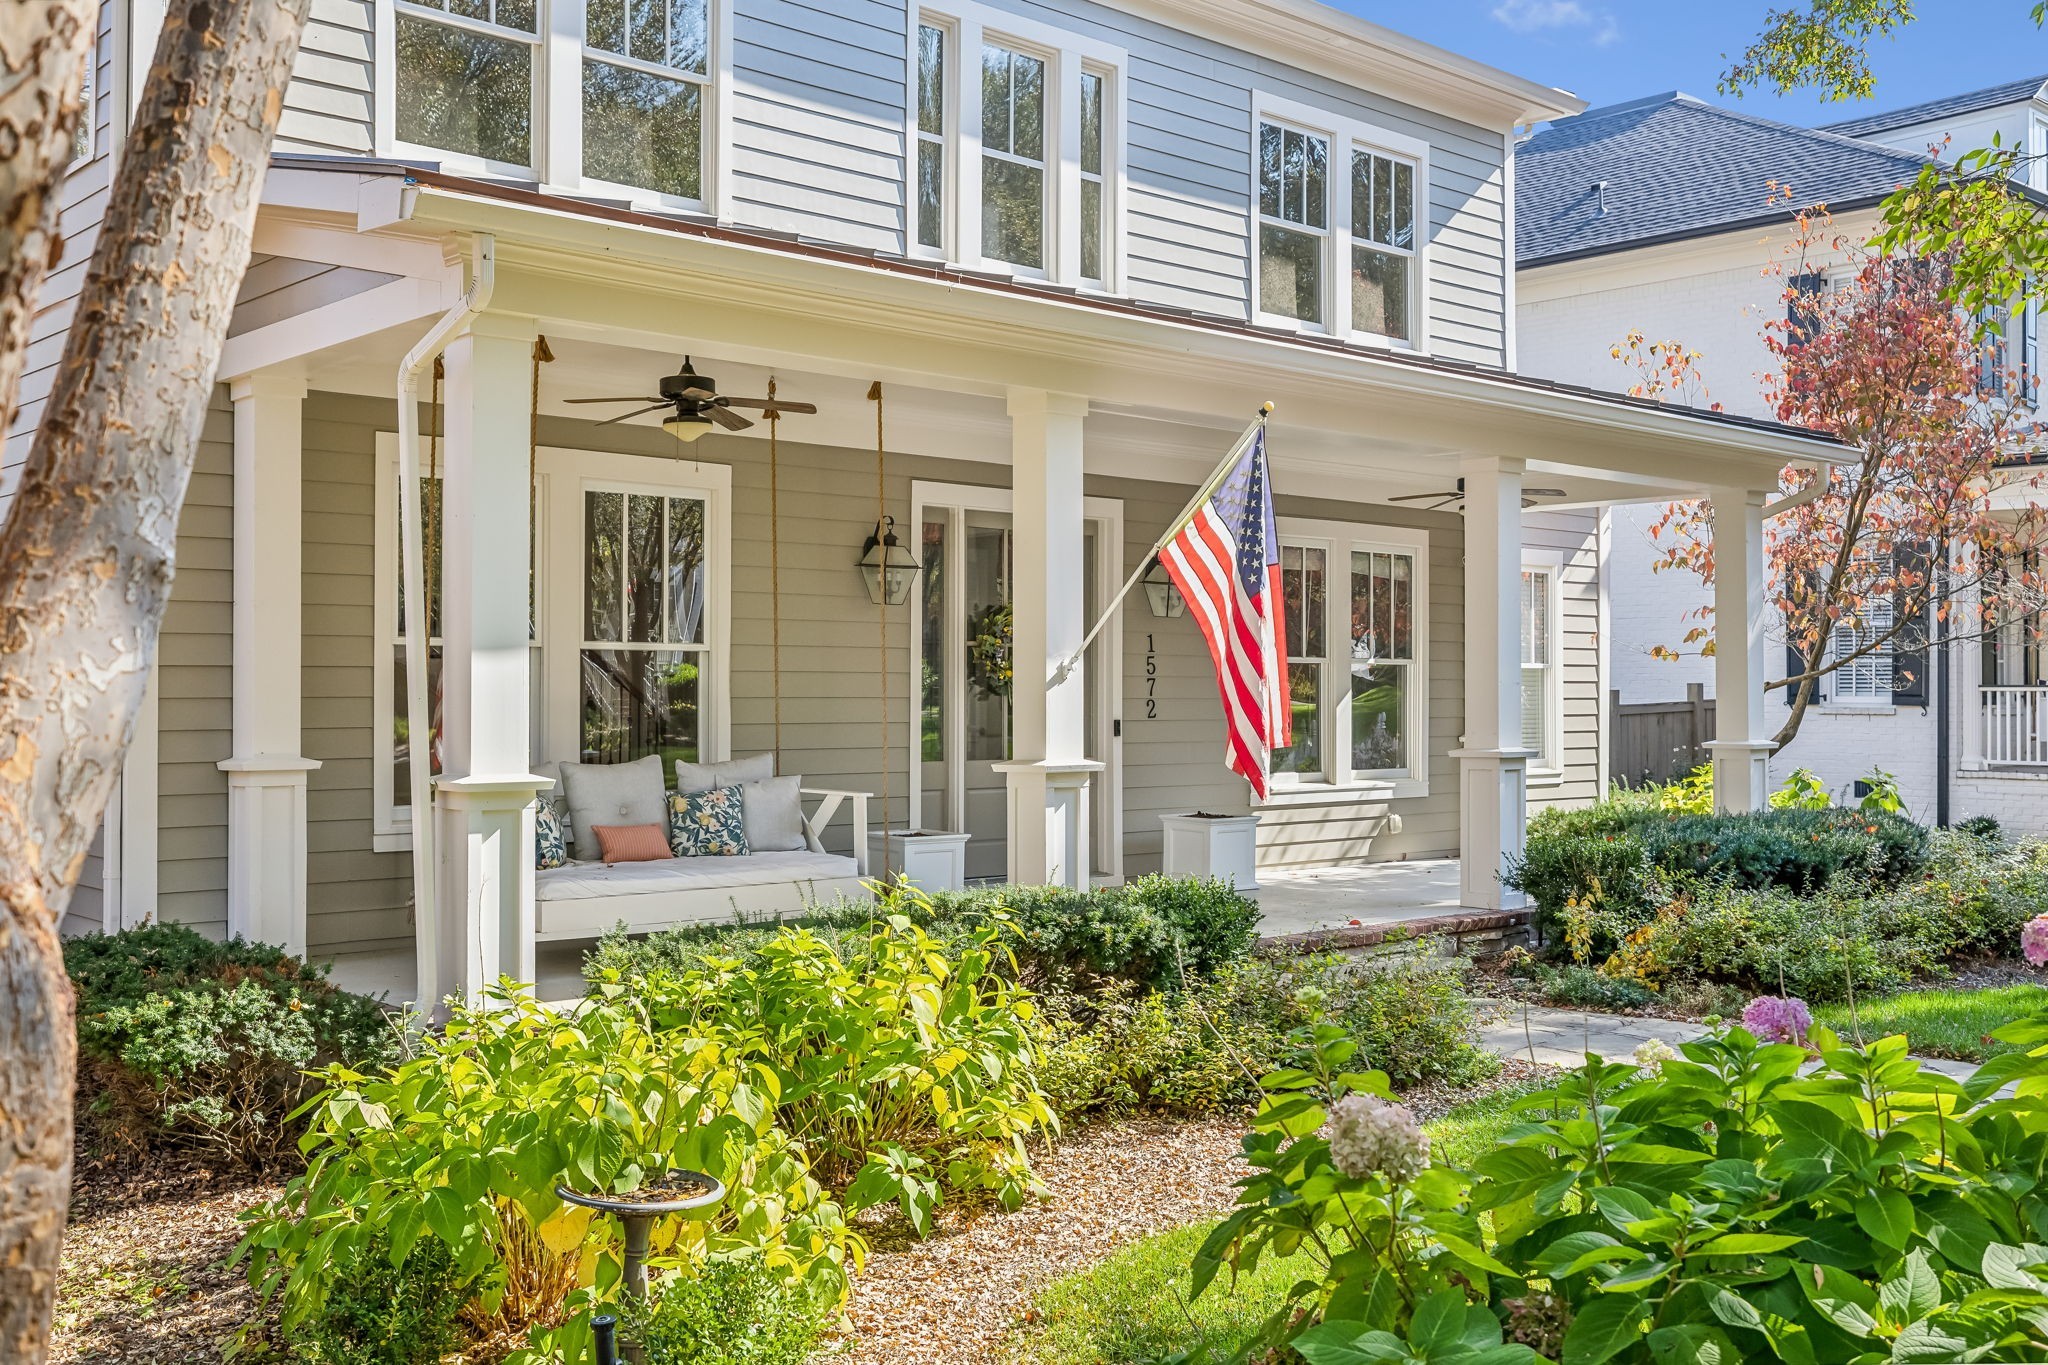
[1225, 847]
[931, 860]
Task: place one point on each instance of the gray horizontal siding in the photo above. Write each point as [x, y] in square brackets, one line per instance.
[1575, 536]
[330, 104]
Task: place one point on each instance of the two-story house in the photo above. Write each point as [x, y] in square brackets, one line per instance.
[1029, 268]
[1668, 215]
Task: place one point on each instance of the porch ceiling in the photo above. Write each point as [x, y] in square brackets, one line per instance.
[622, 297]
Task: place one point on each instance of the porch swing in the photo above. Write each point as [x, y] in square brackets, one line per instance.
[779, 876]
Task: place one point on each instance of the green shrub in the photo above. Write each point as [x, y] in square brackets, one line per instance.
[378, 1314]
[1720, 1206]
[187, 1042]
[1985, 827]
[904, 1068]
[1411, 1016]
[465, 1144]
[1151, 932]
[1579, 987]
[731, 1311]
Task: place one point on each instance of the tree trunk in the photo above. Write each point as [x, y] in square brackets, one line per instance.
[86, 553]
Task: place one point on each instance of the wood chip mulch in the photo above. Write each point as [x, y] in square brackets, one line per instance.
[142, 1281]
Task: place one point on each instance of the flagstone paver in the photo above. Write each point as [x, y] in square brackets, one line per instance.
[1564, 1037]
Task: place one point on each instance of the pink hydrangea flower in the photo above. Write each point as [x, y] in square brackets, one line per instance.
[2034, 940]
[1778, 1018]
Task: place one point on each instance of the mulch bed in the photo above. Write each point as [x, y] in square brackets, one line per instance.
[142, 1280]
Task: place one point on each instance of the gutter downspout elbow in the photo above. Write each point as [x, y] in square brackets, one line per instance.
[428, 938]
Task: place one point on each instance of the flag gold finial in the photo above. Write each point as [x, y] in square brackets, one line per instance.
[1266, 408]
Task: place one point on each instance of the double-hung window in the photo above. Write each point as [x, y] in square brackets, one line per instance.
[1017, 140]
[1339, 212]
[646, 65]
[1352, 598]
[1865, 678]
[606, 95]
[1541, 720]
[467, 75]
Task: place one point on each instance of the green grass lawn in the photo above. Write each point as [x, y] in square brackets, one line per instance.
[1132, 1308]
[1940, 1023]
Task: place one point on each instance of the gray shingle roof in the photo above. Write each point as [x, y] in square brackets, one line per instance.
[2012, 92]
[1675, 167]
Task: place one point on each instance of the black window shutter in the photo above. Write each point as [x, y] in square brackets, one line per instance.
[1794, 666]
[1800, 322]
[1909, 644]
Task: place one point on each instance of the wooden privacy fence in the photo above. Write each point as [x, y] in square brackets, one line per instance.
[1659, 741]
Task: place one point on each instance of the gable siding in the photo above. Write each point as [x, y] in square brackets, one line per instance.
[330, 104]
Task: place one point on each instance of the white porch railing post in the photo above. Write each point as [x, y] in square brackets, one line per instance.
[483, 797]
[266, 774]
[1048, 778]
[1493, 768]
[1741, 744]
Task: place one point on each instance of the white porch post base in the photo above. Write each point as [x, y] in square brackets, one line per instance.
[267, 849]
[1742, 775]
[485, 890]
[1049, 822]
[1493, 793]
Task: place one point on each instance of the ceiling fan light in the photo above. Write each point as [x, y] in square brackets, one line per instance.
[686, 426]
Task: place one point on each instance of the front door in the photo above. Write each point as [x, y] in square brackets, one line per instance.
[964, 677]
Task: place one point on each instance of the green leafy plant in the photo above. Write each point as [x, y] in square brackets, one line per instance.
[1692, 794]
[888, 1043]
[1803, 790]
[732, 1310]
[187, 1042]
[381, 1314]
[465, 1144]
[1743, 1200]
[1881, 795]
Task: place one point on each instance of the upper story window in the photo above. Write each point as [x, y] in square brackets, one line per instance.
[1018, 145]
[466, 77]
[486, 86]
[1339, 215]
[645, 69]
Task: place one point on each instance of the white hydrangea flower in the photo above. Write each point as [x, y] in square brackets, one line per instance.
[1367, 1135]
[1652, 1053]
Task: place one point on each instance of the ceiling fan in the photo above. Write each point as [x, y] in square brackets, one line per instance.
[695, 405]
[1445, 497]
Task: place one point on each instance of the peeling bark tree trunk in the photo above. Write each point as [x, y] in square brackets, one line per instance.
[85, 556]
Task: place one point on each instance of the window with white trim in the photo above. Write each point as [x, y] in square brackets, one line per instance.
[1339, 211]
[646, 67]
[1865, 679]
[1540, 696]
[1355, 655]
[1018, 139]
[83, 136]
[468, 74]
[645, 647]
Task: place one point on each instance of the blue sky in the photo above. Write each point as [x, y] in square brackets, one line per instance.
[1607, 52]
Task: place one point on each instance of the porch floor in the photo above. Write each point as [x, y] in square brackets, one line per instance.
[1296, 902]
[1290, 902]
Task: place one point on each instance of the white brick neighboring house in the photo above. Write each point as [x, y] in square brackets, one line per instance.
[1655, 215]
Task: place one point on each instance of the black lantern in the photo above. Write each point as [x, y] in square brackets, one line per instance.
[889, 569]
[1161, 593]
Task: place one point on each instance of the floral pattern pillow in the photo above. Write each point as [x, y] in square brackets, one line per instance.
[708, 824]
[550, 840]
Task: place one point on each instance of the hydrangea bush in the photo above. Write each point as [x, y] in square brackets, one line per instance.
[1742, 1200]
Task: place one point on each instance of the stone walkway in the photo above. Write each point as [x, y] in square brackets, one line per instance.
[1564, 1037]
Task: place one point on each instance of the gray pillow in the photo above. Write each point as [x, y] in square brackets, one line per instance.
[734, 772]
[774, 814]
[612, 794]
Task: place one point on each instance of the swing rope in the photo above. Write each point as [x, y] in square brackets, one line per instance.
[775, 566]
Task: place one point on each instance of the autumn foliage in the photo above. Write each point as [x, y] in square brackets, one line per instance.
[1932, 532]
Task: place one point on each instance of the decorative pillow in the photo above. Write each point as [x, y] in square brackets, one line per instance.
[703, 777]
[633, 843]
[612, 794]
[774, 815]
[550, 840]
[709, 824]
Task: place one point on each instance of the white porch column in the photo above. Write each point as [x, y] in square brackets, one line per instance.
[1493, 768]
[1741, 744]
[483, 821]
[1048, 778]
[267, 774]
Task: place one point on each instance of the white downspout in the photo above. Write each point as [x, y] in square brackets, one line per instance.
[418, 714]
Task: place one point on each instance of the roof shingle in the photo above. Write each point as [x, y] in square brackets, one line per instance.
[1949, 106]
[1676, 167]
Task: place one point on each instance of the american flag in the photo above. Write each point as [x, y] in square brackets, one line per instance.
[1226, 561]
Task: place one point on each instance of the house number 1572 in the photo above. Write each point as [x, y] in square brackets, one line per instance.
[1151, 680]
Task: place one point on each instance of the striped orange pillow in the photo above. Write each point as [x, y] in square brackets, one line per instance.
[632, 843]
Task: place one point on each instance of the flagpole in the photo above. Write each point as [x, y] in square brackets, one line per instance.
[1173, 528]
